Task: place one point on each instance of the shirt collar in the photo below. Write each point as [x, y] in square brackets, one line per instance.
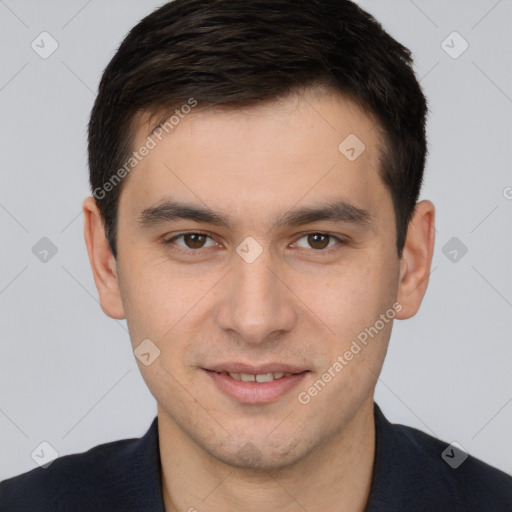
[146, 482]
[396, 468]
[404, 474]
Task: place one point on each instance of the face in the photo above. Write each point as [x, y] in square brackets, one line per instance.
[251, 243]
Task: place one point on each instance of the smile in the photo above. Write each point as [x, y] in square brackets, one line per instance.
[255, 387]
[260, 377]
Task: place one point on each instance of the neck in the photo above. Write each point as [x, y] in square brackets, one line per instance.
[335, 476]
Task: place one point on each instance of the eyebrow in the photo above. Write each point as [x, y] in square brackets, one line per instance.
[340, 211]
[170, 211]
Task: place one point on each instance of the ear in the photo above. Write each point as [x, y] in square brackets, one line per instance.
[103, 263]
[416, 259]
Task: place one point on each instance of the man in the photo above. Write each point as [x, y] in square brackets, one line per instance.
[255, 169]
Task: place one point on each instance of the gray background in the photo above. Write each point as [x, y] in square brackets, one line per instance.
[67, 373]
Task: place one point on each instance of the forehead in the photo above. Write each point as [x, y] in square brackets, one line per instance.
[309, 144]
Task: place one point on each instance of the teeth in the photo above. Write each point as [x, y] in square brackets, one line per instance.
[265, 377]
[262, 377]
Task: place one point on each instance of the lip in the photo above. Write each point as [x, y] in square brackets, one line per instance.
[255, 392]
[256, 370]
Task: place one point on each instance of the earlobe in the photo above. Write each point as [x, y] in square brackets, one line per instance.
[103, 263]
[416, 259]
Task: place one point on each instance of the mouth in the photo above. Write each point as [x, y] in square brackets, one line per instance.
[260, 377]
[256, 385]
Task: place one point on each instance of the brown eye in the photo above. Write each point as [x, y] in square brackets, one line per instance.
[191, 241]
[194, 240]
[318, 241]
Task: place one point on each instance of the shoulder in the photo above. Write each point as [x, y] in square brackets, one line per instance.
[106, 477]
[470, 478]
[68, 478]
[439, 473]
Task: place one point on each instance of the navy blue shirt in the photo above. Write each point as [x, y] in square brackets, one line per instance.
[409, 474]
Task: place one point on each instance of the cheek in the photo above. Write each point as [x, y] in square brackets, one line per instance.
[353, 297]
[160, 300]
[152, 303]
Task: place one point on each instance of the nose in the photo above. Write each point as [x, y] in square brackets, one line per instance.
[256, 304]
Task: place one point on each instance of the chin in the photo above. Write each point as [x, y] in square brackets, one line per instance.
[260, 455]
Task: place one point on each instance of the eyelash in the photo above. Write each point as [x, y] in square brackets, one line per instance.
[184, 250]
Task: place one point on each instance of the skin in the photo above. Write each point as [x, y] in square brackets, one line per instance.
[296, 303]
